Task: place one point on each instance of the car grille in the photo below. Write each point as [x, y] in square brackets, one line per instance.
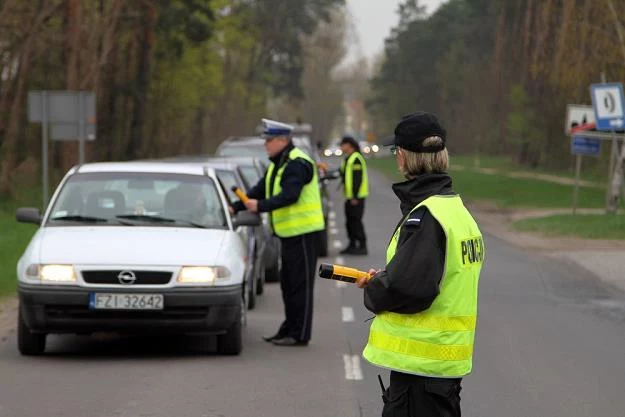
[142, 277]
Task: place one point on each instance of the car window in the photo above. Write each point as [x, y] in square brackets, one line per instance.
[229, 180]
[185, 199]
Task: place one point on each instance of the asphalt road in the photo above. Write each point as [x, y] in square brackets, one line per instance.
[550, 342]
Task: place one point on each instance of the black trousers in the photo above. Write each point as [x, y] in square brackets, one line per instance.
[353, 222]
[297, 280]
[418, 396]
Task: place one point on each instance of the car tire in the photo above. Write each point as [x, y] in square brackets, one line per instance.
[29, 343]
[231, 343]
[251, 294]
[260, 280]
[322, 243]
[272, 273]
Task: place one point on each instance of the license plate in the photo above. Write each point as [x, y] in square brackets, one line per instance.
[115, 301]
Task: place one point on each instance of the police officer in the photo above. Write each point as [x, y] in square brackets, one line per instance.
[290, 192]
[425, 300]
[356, 189]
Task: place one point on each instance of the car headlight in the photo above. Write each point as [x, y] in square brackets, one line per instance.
[367, 149]
[375, 148]
[327, 152]
[338, 152]
[52, 273]
[202, 274]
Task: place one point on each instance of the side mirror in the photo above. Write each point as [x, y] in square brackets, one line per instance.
[246, 218]
[28, 215]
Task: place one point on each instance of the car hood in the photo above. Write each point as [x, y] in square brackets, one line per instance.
[158, 246]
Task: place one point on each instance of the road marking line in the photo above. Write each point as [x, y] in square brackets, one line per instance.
[330, 203]
[340, 284]
[334, 231]
[337, 244]
[331, 215]
[353, 372]
[347, 313]
[332, 223]
[339, 260]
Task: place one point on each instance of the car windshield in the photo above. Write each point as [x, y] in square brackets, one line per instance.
[138, 199]
[250, 175]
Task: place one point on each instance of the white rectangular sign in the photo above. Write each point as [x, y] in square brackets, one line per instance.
[577, 115]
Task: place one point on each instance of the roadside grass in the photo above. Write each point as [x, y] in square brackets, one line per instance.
[596, 173]
[506, 192]
[14, 237]
[589, 226]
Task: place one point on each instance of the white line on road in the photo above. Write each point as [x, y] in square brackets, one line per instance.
[330, 203]
[331, 215]
[332, 223]
[352, 367]
[339, 260]
[340, 284]
[347, 313]
[334, 231]
[337, 244]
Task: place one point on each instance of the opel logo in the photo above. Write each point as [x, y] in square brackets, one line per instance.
[127, 277]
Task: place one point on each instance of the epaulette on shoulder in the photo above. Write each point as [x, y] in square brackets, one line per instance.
[414, 219]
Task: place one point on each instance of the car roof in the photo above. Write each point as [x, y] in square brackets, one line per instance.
[243, 140]
[147, 166]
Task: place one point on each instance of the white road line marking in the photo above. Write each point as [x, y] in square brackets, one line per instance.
[332, 223]
[339, 260]
[337, 244]
[353, 372]
[330, 203]
[340, 284]
[356, 368]
[331, 215]
[334, 231]
[347, 313]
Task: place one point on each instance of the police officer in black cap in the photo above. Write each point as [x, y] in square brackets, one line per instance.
[355, 189]
[425, 299]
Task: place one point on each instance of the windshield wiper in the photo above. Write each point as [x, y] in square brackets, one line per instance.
[79, 218]
[146, 217]
[158, 219]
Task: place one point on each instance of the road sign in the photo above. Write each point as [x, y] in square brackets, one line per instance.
[609, 105]
[577, 115]
[581, 145]
[63, 106]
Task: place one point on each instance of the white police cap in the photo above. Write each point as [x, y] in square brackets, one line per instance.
[273, 128]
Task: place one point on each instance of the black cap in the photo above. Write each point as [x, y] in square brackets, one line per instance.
[413, 129]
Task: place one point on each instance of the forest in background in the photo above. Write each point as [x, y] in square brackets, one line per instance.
[170, 76]
[500, 73]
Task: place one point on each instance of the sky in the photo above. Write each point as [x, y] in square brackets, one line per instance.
[373, 20]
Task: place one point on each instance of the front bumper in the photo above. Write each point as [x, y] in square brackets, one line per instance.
[186, 310]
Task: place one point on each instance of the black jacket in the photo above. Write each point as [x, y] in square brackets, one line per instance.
[410, 282]
[297, 173]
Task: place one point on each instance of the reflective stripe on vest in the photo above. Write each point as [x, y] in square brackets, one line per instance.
[347, 168]
[306, 214]
[438, 341]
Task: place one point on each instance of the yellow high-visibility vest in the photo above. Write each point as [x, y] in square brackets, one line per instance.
[306, 214]
[347, 169]
[437, 342]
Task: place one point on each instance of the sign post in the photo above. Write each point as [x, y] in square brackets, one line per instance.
[609, 105]
[580, 146]
[70, 115]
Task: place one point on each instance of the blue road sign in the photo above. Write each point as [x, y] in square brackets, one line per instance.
[581, 145]
[608, 102]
